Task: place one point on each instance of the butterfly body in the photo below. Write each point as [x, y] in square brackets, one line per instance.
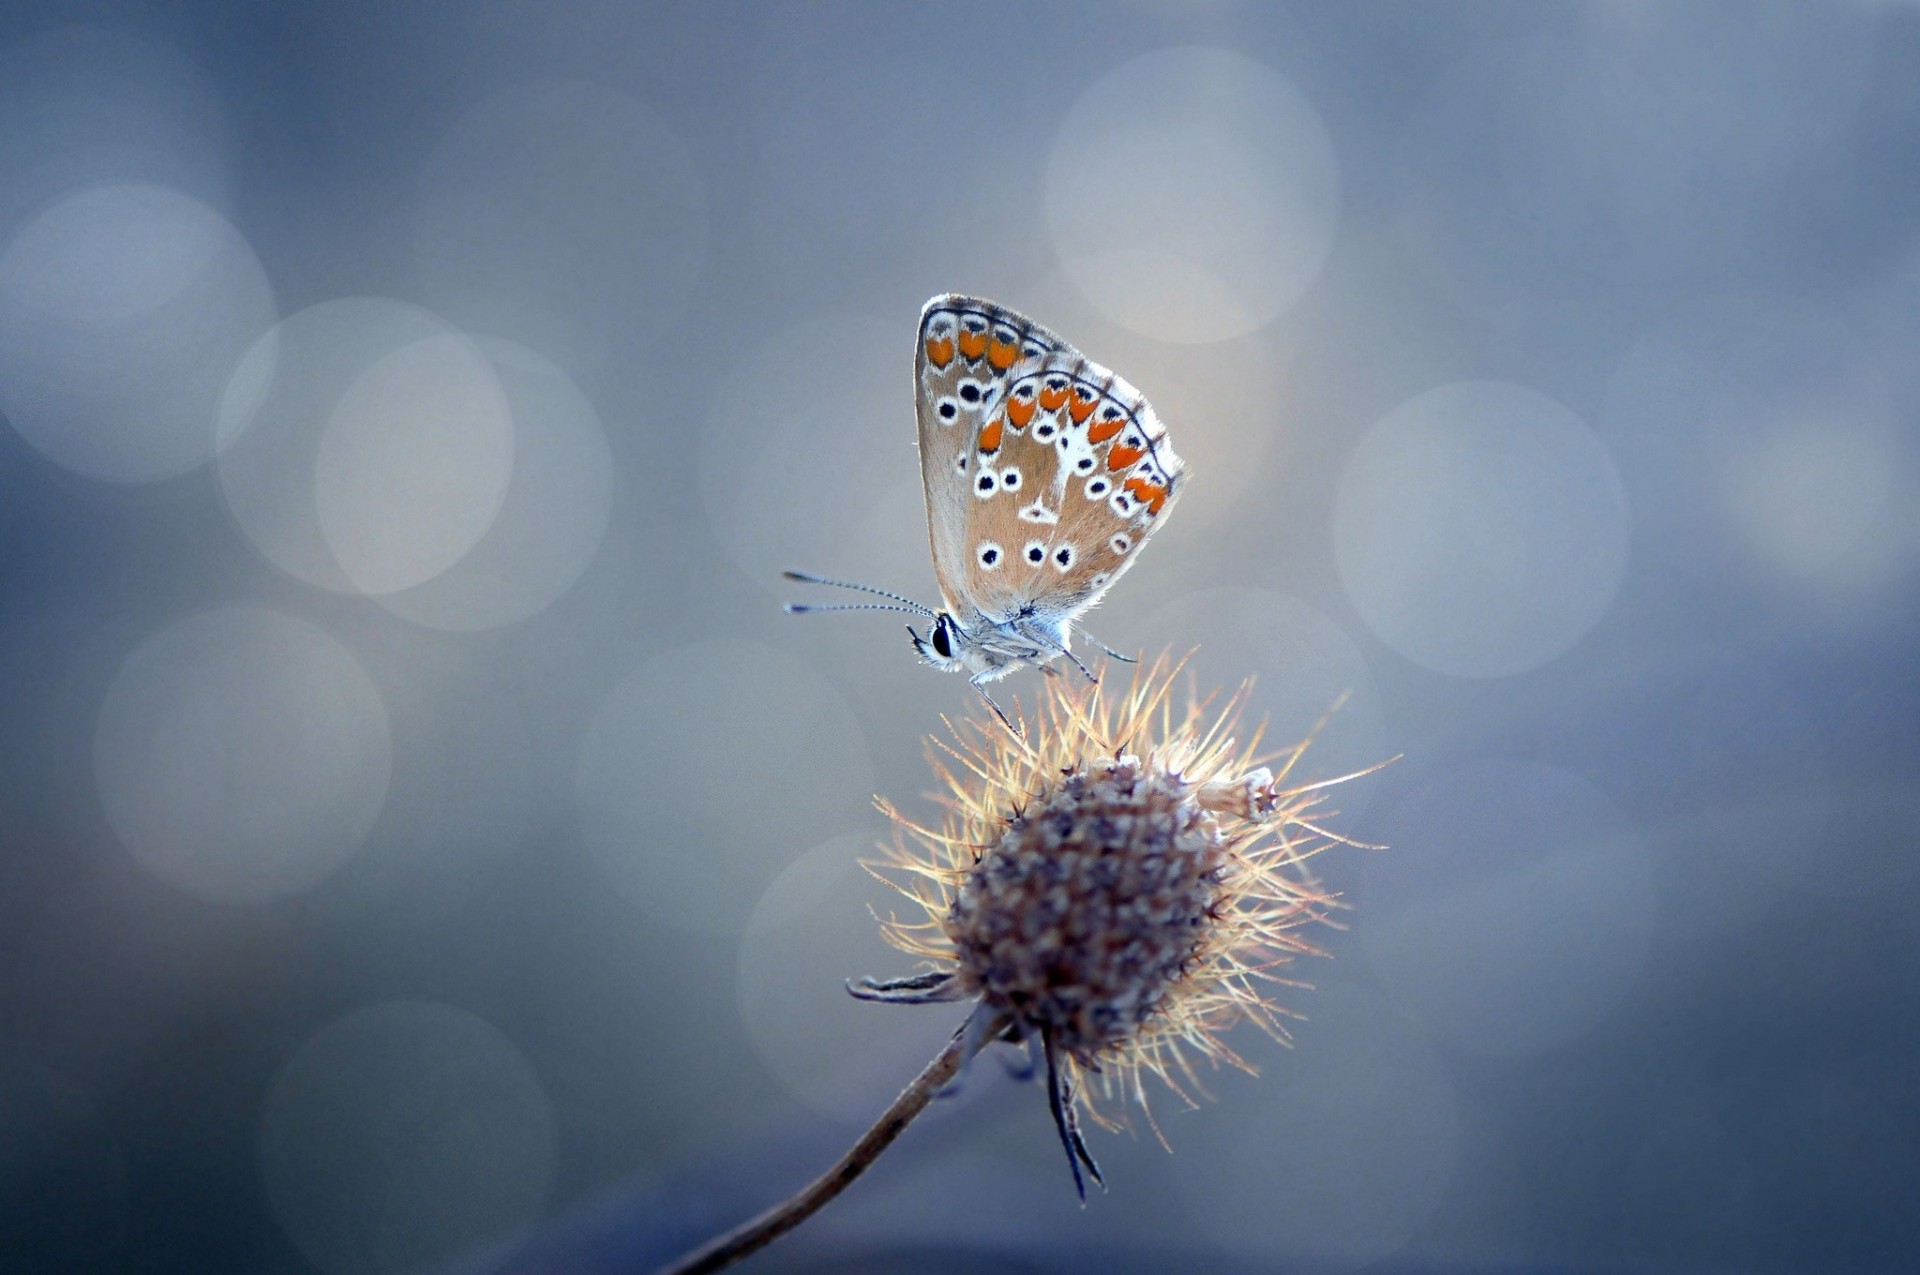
[1043, 472]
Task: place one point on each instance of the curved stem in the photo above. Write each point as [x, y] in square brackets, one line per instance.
[750, 1237]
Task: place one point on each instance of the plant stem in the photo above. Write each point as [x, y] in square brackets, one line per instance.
[750, 1237]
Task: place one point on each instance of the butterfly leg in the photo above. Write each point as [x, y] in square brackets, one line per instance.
[997, 710]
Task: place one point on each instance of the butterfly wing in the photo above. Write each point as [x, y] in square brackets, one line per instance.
[967, 353]
[1069, 473]
[1106, 477]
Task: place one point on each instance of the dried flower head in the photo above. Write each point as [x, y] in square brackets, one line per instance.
[1118, 886]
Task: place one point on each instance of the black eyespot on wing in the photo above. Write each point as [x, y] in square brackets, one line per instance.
[948, 409]
[1085, 465]
[1063, 557]
[1010, 480]
[1036, 552]
[970, 392]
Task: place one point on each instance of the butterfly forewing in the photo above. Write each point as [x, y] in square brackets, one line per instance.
[1045, 472]
[967, 351]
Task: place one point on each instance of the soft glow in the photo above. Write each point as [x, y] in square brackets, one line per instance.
[565, 215]
[122, 309]
[413, 464]
[242, 754]
[95, 104]
[407, 1136]
[1304, 666]
[338, 421]
[730, 751]
[810, 440]
[1523, 918]
[1339, 1155]
[554, 514]
[809, 934]
[1481, 529]
[1193, 194]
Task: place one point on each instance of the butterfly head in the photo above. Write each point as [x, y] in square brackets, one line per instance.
[945, 645]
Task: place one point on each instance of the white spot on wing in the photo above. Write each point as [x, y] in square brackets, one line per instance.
[1038, 512]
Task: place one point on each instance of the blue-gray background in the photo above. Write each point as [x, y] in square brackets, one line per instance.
[426, 845]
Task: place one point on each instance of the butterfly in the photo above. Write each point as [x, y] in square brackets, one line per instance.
[1044, 475]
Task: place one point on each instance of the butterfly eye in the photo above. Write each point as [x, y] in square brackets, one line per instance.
[1063, 557]
[942, 641]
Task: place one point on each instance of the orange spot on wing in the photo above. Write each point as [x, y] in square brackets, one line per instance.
[1152, 495]
[973, 344]
[1051, 399]
[990, 436]
[1101, 431]
[1119, 456]
[939, 350]
[1081, 408]
[1002, 355]
[1020, 411]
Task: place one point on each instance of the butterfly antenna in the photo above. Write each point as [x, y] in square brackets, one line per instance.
[1111, 653]
[801, 608]
[917, 608]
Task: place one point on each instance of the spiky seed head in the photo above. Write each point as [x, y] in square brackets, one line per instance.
[1091, 905]
[1124, 878]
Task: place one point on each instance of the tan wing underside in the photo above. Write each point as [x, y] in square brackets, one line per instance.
[963, 341]
[1095, 477]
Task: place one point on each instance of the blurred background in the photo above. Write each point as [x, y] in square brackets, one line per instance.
[426, 846]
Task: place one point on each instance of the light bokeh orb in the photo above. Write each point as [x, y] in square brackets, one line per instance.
[242, 754]
[366, 446]
[122, 310]
[407, 1136]
[1193, 194]
[1480, 529]
[552, 518]
[413, 464]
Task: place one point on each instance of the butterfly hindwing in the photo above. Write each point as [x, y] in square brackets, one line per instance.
[1082, 475]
